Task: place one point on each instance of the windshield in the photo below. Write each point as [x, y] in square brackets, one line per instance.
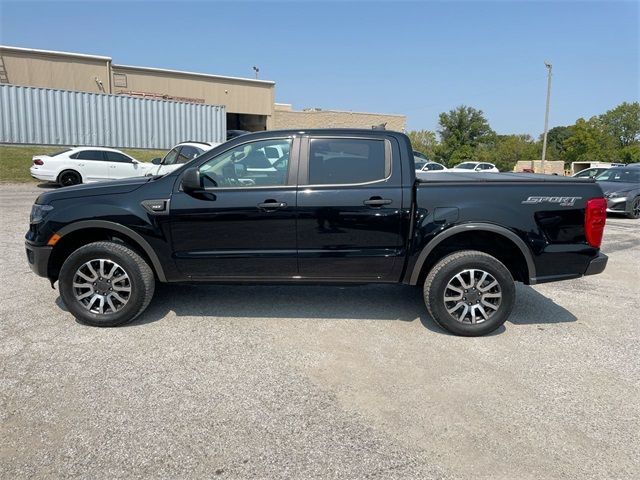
[466, 166]
[619, 175]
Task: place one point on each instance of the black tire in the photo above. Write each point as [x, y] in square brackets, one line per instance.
[140, 281]
[69, 177]
[635, 208]
[446, 269]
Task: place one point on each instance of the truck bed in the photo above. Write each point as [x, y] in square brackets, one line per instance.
[458, 177]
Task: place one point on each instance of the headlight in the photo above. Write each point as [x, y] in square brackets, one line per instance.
[38, 212]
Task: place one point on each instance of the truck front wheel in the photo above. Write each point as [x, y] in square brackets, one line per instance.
[106, 284]
[469, 293]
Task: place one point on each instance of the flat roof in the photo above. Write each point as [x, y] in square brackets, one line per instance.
[135, 67]
[54, 52]
[197, 74]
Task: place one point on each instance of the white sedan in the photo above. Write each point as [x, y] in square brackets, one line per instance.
[76, 165]
[433, 167]
[474, 167]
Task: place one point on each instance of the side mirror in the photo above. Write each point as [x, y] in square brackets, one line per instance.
[191, 180]
[156, 161]
[134, 161]
[477, 169]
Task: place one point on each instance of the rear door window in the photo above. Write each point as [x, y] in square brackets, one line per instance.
[334, 161]
[97, 155]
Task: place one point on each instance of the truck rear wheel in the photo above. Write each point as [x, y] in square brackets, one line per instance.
[106, 284]
[469, 293]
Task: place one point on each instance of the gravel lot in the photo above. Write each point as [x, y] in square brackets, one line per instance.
[320, 382]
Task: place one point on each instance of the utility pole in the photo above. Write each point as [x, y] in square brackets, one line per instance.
[546, 116]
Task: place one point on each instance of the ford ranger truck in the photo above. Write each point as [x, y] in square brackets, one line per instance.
[338, 206]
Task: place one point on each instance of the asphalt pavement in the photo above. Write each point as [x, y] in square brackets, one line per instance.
[319, 382]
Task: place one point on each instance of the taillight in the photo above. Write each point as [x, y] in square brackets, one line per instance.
[37, 161]
[595, 216]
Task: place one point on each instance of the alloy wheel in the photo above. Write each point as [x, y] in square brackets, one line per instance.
[472, 296]
[102, 286]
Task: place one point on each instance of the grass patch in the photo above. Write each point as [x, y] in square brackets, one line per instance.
[15, 160]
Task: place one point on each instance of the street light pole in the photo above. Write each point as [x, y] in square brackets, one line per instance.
[546, 116]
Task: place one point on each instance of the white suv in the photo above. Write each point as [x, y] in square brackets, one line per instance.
[85, 165]
[178, 155]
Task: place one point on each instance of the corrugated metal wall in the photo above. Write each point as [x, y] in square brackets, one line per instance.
[43, 116]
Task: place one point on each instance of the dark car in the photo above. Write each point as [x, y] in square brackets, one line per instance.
[621, 187]
[339, 206]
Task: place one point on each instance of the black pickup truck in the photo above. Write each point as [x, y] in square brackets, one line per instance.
[317, 206]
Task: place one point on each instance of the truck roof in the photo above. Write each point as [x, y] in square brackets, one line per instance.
[322, 131]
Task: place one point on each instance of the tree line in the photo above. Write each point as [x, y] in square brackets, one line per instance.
[464, 133]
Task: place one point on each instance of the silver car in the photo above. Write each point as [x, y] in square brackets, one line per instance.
[621, 187]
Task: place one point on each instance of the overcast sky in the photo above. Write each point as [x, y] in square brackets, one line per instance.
[414, 58]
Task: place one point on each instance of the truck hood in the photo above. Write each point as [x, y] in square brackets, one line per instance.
[112, 187]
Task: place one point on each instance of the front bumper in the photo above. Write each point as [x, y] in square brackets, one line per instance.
[38, 258]
[597, 264]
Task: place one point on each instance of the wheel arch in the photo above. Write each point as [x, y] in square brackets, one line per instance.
[86, 231]
[464, 234]
[69, 169]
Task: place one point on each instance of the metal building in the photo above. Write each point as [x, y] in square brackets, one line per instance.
[249, 102]
[45, 116]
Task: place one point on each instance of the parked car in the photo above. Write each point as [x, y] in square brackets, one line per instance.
[344, 206]
[420, 159]
[433, 167]
[76, 165]
[621, 187]
[178, 155]
[419, 162]
[590, 172]
[474, 167]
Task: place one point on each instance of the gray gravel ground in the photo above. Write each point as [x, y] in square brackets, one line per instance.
[319, 382]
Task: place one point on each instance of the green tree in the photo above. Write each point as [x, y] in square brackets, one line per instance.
[630, 153]
[589, 140]
[424, 141]
[509, 149]
[462, 131]
[555, 142]
[623, 123]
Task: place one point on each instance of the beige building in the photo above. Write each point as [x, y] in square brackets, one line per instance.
[285, 117]
[553, 167]
[250, 103]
